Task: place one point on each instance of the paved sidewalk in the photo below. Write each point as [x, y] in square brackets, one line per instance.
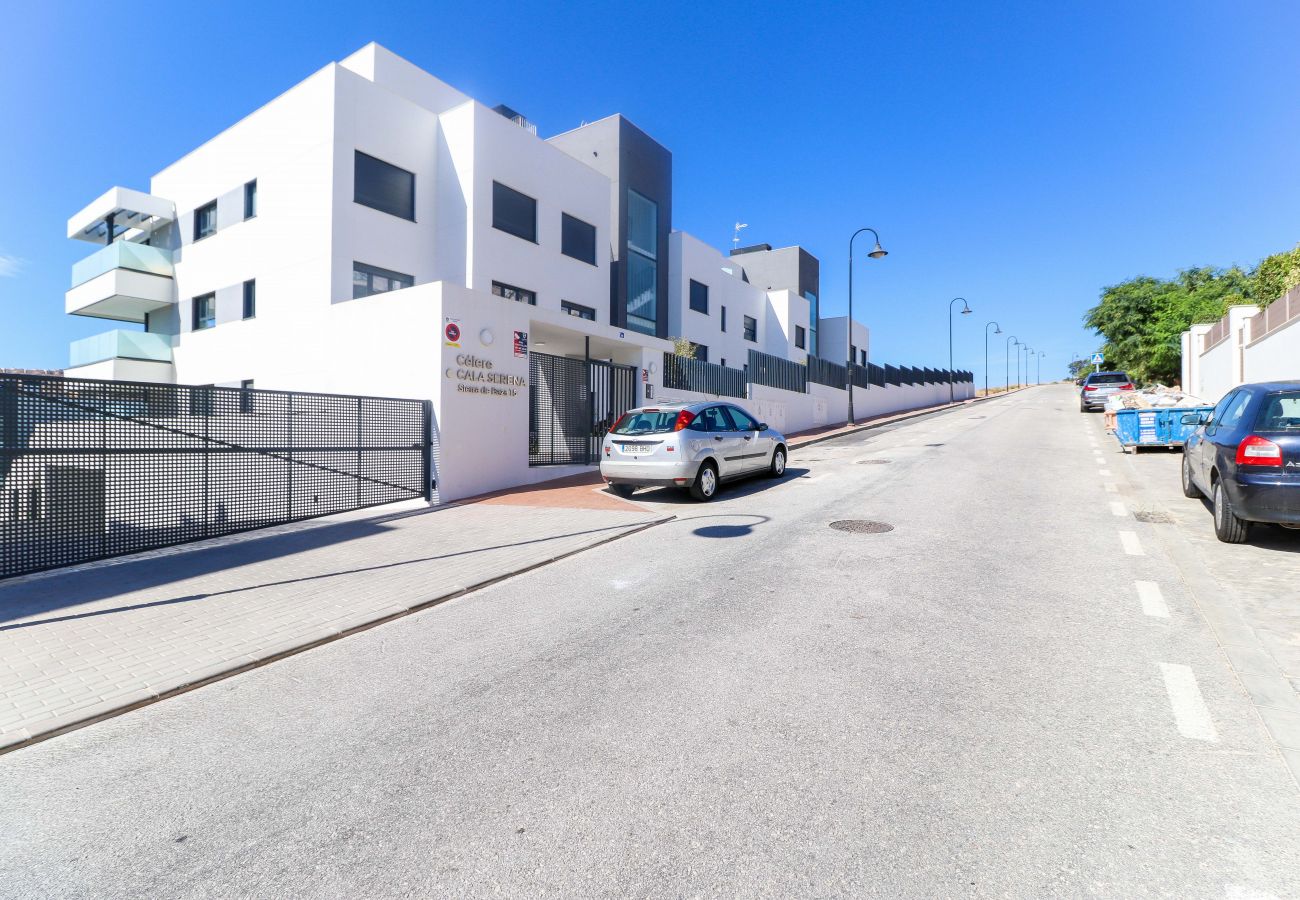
[78, 645]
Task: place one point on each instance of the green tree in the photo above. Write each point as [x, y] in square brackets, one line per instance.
[1275, 275]
[683, 347]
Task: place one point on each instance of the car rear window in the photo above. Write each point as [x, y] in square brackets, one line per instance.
[1108, 378]
[1280, 412]
[647, 421]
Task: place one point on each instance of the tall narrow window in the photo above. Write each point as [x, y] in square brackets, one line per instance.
[250, 298]
[205, 220]
[513, 212]
[699, 297]
[751, 328]
[383, 186]
[577, 239]
[722, 317]
[642, 265]
[205, 312]
[701, 351]
[800, 337]
[246, 396]
[853, 353]
[813, 316]
[250, 199]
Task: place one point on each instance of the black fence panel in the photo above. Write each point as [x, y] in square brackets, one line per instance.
[92, 469]
[572, 403]
[876, 375]
[892, 375]
[861, 377]
[684, 374]
[823, 371]
[777, 372]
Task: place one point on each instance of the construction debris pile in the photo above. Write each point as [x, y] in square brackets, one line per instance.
[1155, 397]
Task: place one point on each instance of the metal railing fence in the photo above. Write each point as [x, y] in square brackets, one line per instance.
[684, 374]
[777, 372]
[824, 372]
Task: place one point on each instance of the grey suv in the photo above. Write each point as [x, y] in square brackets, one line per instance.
[695, 446]
[1098, 387]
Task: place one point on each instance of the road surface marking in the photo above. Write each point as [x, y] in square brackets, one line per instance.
[1117, 508]
[1153, 602]
[1189, 707]
[1104, 472]
[1132, 546]
[1110, 488]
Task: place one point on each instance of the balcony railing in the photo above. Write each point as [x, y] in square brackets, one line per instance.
[123, 255]
[120, 344]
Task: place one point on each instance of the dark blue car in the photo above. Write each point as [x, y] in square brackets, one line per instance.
[1246, 458]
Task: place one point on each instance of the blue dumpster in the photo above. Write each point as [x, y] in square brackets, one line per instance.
[1155, 427]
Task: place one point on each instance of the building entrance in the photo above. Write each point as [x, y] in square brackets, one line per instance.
[571, 404]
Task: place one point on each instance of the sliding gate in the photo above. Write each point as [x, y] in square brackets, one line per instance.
[571, 404]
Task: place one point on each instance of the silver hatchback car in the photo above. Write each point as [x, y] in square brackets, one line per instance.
[695, 446]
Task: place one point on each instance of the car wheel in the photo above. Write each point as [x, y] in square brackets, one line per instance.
[777, 469]
[1082, 407]
[1227, 527]
[622, 490]
[1189, 487]
[706, 482]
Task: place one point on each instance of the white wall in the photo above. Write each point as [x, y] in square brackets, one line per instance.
[692, 259]
[834, 340]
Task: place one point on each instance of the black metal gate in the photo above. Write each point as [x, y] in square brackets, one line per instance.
[571, 404]
[91, 469]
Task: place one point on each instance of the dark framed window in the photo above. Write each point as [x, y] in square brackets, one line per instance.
[513, 212]
[367, 280]
[205, 312]
[510, 292]
[701, 351]
[723, 361]
[722, 317]
[853, 353]
[751, 328]
[250, 298]
[642, 266]
[800, 337]
[699, 297]
[383, 186]
[577, 239]
[863, 355]
[577, 310]
[205, 220]
[246, 396]
[250, 199]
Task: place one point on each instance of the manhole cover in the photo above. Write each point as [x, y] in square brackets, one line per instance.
[1154, 518]
[873, 462]
[861, 526]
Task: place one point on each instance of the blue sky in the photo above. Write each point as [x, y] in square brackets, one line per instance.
[1019, 154]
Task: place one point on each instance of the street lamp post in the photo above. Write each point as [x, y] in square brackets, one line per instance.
[1039, 371]
[1022, 353]
[876, 253]
[986, 353]
[966, 311]
[1010, 339]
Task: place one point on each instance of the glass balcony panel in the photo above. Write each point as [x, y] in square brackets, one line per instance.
[120, 344]
[123, 255]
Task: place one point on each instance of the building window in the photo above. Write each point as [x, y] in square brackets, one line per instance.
[853, 353]
[800, 337]
[250, 199]
[863, 355]
[723, 361]
[579, 311]
[642, 265]
[722, 310]
[577, 239]
[513, 212]
[250, 298]
[510, 292]
[813, 317]
[751, 328]
[205, 220]
[367, 280]
[205, 312]
[701, 351]
[246, 395]
[383, 186]
[699, 297]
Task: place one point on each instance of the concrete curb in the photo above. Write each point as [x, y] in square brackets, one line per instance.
[133, 700]
[796, 443]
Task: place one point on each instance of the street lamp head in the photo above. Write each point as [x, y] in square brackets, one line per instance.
[999, 330]
[967, 311]
[878, 252]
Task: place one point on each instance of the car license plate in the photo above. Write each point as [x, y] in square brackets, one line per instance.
[638, 448]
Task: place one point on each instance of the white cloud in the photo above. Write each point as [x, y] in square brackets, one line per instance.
[9, 266]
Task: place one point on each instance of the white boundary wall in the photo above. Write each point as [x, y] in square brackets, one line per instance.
[1246, 354]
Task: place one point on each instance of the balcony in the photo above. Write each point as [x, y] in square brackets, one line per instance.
[120, 344]
[122, 281]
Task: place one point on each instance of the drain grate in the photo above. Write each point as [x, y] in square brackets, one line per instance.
[874, 462]
[861, 526]
[935, 445]
[1154, 518]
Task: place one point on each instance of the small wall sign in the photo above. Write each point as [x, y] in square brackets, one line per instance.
[451, 332]
[521, 343]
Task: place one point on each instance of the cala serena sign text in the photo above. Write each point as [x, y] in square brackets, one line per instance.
[475, 375]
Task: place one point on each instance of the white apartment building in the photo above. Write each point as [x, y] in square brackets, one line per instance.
[375, 231]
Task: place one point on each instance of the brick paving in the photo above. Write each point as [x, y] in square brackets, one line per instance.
[78, 645]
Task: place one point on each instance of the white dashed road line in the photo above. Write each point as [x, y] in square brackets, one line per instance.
[1117, 508]
[1153, 602]
[1110, 488]
[1190, 714]
[1132, 546]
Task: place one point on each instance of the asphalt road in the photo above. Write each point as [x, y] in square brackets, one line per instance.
[743, 702]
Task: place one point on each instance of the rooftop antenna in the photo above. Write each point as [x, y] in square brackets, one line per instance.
[735, 240]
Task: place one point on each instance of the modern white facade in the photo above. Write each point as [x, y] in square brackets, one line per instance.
[1248, 344]
[373, 230]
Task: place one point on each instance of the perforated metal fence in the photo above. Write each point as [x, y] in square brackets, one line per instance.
[92, 469]
[777, 372]
[572, 404]
[684, 374]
